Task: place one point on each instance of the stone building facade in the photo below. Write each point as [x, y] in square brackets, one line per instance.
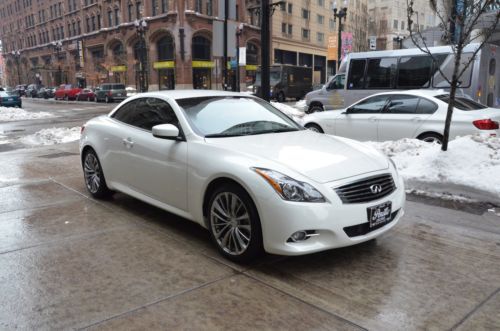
[100, 42]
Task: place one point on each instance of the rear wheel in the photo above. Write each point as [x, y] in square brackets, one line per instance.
[432, 138]
[234, 223]
[281, 97]
[94, 177]
[314, 127]
[107, 100]
[314, 108]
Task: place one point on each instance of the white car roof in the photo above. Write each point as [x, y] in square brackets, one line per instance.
[423, 93]
[182, 94]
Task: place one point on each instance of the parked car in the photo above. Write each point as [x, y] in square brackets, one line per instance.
[21, 89]
[46, 92]
[66, 92]
[85, 95]
[110, 92]
[32, 90]
[286, 81]
[10, 99]
[242, 169]
[417, 114]
[131, 91]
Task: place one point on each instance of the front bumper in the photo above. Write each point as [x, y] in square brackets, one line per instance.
[330, 221]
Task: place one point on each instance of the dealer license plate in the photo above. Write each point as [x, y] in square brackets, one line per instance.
[379, 214]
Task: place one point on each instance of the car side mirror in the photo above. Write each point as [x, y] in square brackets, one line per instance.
[166, 131]
[347, 111]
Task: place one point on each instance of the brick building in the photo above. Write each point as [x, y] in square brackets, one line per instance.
[100, 42]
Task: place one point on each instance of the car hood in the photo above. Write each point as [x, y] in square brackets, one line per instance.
[320, 157]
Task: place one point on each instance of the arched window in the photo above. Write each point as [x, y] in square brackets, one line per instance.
[118, 50]
[165, 48]
[201, 48]
[252, 54]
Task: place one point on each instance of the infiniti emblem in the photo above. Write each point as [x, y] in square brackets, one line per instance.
[377, 188]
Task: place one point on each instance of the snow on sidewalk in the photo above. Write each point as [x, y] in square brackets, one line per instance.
[290, 111]
[19, 114]
[52, 136]
[470, 162]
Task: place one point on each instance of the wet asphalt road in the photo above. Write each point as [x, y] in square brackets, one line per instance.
[68, 261]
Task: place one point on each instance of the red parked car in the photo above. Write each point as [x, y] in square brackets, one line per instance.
[66, 92]
[85, 95]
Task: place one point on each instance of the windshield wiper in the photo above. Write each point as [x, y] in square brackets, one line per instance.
[220, 135]
[274, 131]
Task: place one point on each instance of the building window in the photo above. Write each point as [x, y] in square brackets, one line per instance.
[402, 25]
[290, 29]
[93, 23]
[321, 19]
[210, 9]
[164, 6]
[305, 14]
[290, 8]
[154, 5]
[395, 24]
[110, 18]
[332, 24]
[321, 3]
[98, 21]
[305, 34]
[138, 10]
[87, 21]
[130, 6]
[283, 6]
[320, 37]
[117, 16]
[198, 6]
[283, 27]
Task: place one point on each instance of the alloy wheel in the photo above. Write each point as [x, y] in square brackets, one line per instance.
[92, 172]
[230, 222]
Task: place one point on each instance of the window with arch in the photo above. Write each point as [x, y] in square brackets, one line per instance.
[165, 48]
[201, 48]
[252, 53]
[117, 16]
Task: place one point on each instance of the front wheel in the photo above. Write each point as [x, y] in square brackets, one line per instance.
[281, 97]
[432, 138]
[94, 177]
[234, 223]
[314, 127]
[314, 108]
[107, 99]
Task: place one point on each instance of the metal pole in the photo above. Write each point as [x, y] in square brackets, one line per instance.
[265, 50]
[226, 9]
[18, 73]
[237, 87]
[339, 43]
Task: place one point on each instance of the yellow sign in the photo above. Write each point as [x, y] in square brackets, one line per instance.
[251, 67]
[202, 64]
[118, 68]
[333, 45]
[164, 65]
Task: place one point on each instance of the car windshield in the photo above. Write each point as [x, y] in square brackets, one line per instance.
[5, 94]
[462, 103]
[234, 116]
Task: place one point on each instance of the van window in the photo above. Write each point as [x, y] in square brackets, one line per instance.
[381, 73]
[118, 87]
[414, 71]
[106, 87]
[447, 69]
[356, 74]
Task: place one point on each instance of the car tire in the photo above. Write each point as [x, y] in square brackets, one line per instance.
[314, 127]
[281, 97]
[315, 108]
[432, 138]
[66, 98]
[93, 175]
[237, 238]
[106, 99]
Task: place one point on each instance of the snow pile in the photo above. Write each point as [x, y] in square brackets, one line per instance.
[471, 161]
[289, 111]
[301, 105]
[18, 114]
[52, 136]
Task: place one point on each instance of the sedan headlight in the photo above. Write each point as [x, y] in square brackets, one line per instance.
[289, 188]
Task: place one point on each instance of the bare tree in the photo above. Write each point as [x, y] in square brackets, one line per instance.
[468, 22]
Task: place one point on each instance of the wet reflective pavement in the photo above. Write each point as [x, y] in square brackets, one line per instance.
[71, 262]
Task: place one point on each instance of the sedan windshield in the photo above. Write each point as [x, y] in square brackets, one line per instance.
[234, 116]
[462, 103]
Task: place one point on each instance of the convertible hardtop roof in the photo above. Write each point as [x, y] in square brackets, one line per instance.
[185, 94]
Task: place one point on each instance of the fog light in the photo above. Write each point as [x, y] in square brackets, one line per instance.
[298, 236]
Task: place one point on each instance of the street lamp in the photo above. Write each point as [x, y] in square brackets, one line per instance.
[239, 32]
[141, 26]
[399, 40]
[57, 45]
[340, 14]
[17, 56]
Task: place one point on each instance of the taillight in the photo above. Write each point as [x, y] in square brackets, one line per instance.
[487, 124]
[109, 93]
[81, 130]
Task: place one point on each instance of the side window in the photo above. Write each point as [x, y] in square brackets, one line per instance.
[381, 73]
[414, 71]
[369, 106]
[356, 74]
[426, 107]
[146, 112]
[402, 104]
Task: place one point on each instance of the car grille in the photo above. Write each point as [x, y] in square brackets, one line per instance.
[364, 228]
[361, 190]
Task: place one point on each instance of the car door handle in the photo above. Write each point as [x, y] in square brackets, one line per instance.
[128, 142]
[372, 119]
[416, 119]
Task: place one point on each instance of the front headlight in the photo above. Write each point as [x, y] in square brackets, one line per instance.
[289, 188]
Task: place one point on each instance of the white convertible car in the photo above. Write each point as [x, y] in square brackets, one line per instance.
[243, 170]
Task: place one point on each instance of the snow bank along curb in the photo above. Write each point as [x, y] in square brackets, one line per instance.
[52, 136]
[470, 168]
[18, 114]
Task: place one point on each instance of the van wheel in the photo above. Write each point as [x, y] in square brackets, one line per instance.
[281, 97]
[314, 127]
[314, 108]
